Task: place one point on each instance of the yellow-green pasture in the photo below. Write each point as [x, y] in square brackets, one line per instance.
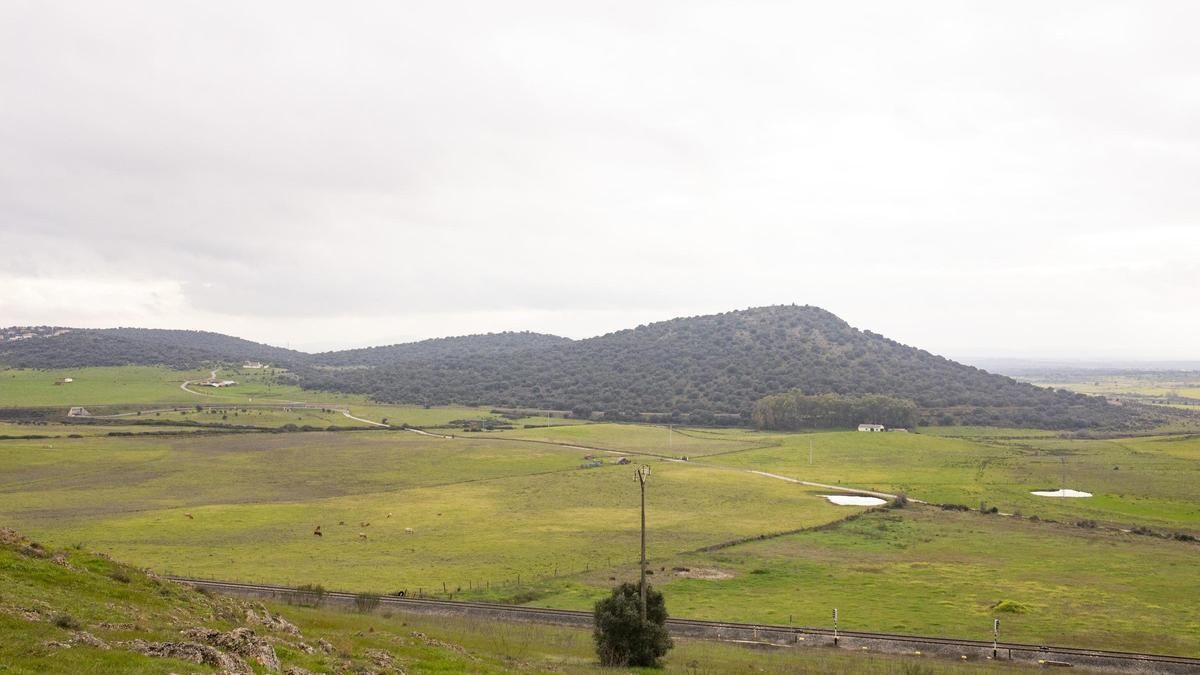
[154, 390]
[20, 387]
[1152, 387]
[481, 510]
[921, 570]
[8, 430]
[648, 438]
[46, 602]
[260, 417]
[1147, 481]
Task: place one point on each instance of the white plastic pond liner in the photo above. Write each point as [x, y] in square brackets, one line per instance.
[854, 500]
[1065, 492]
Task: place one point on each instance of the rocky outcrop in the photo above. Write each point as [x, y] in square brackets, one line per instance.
[190, 651]
[263, 617]
[240, 641]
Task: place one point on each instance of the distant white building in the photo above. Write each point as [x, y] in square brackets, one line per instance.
[217, 383]
[253, 364]
[871, 427]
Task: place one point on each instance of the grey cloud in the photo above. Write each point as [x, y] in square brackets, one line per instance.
[286, 161]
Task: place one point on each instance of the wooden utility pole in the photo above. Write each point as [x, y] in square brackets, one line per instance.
[640, 475]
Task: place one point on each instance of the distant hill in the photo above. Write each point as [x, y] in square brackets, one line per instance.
[713, 368]
[59, 347]
[467, 347]
[82, 347]
[700, 370]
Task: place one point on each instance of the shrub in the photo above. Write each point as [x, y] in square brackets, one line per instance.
[67, 622]
[1010, 607]
[621, 637]
[119, 574]
[308, 595]
[366, 602]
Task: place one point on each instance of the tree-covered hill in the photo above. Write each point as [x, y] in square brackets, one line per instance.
[80, 347]
[53, 347]
[711, 368]
[467, 346]
[702, 369]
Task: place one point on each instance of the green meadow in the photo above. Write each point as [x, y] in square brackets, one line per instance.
[46, 604]
[520, 516]
[920, 570]
[129, 385]
[653, 439]
[1147, 481]
[126, 391]
[482, 510]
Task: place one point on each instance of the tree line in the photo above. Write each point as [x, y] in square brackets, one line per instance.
[795, 410]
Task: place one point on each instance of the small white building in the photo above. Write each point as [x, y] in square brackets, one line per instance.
[871, 427]
[217, 383]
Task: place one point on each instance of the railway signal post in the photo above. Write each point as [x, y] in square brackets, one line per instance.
[995, 638]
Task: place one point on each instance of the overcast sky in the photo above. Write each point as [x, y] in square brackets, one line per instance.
[973, 178]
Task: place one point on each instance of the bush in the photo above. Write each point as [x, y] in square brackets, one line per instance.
[308, 595]
[366, 602]
[119, 574]
[1010, 607]
[67, 622]
[621, 637]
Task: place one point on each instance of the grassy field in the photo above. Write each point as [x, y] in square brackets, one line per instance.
[509, 516]
[673, 442]
[9, 430]
[126, 389]
[47, 601]
[1148, 481]
[921, 570]
[125, 385]
[1179, 389]
[483, 510]
[496, 517]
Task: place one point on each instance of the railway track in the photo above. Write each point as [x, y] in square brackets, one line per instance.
[763, 634]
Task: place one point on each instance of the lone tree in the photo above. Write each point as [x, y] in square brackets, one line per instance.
[622, 638]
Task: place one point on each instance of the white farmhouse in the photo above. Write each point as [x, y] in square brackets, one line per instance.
[871, 427]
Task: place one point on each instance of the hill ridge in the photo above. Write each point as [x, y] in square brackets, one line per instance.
[700, 369]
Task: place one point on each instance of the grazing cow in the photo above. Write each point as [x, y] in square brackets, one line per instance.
[364, 524]
[362, 535]
[389, 515]
[188, 516]
[317, 531]
[408, 530]
[341, 522]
